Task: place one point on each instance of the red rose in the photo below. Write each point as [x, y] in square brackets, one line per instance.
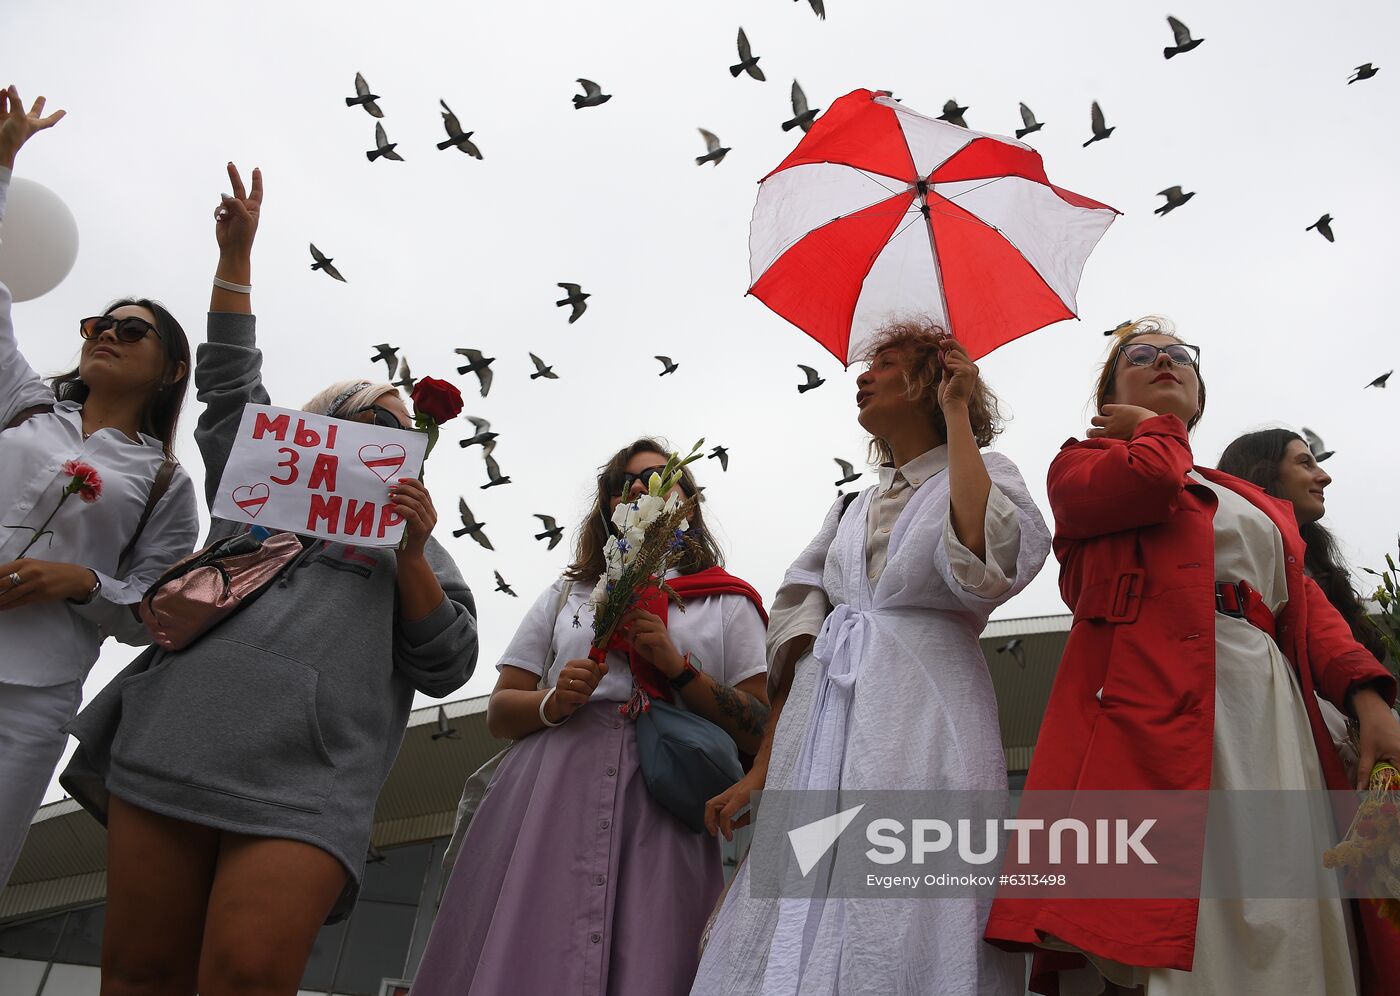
[437, 399]
[86, 482]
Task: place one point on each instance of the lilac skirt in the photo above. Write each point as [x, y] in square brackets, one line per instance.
[571, 879]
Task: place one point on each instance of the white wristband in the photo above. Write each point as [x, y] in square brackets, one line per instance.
[545, 701]
[229, 285]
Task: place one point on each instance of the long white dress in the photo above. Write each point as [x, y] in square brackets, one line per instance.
[894, 695]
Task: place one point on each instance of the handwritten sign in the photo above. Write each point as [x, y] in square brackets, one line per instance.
[317, 476]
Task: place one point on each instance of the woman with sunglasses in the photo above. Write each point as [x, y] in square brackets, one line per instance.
[68, 581]
[1197, 644]
[571, 878]
[238, 777]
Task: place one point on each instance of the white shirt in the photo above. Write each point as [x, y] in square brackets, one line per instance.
[57, 642]
[723, 633]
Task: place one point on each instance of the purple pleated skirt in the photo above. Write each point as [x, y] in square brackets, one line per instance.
[571, 878]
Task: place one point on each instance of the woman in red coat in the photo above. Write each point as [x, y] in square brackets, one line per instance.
[1159, 690]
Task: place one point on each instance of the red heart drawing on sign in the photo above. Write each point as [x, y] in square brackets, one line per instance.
[385, 461]
[251, 498]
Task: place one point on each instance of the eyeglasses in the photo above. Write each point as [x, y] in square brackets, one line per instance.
[382, 416]
[130, 329]
[1143, 354]
[645, 476]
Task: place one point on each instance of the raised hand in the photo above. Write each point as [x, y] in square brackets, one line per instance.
[959, 374]
[413, 502]
[236, 217]
[577, 681]
[1118, 421]
[17, 125]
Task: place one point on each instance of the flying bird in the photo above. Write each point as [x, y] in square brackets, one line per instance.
[1319, 450]
[818, 7]
[1119, 327]
[813, 381]
[541, 370]
[484, 435]
[493, 472]
[592, 95]
[470, 526]
[848, 472]
[324, 262]
[1323, 226]
[1182, 34]
[455, 135]
[1015, 649]
[714, 152]
[667, 366]
[1175, 198]
[1031, 124]
[748, 62]
[1096, 123]
[364, 98]
[443, 731]
[722, 455]
[1363, 72]
[802, 115]
[576, 298]
[479, 365]
[953, 113]
[382, 146]
[501, 585]
[406, 379]
[389, 354]
[552, 530]
[1380, 381]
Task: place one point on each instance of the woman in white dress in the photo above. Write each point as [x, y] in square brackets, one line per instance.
[878, 680]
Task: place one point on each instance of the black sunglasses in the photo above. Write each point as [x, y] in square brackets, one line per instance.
[1142, 354]
[384, 417]
[626, 480]
[130, 329]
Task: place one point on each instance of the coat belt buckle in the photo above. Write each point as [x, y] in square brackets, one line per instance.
[1229, 599]
[1127, 593]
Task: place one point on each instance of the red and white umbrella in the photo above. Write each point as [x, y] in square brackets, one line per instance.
[881, 213]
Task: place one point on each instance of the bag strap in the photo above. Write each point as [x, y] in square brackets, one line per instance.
[159, 487]
[552, 653]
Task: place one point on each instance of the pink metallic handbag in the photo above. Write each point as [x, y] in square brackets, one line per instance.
[211, 584]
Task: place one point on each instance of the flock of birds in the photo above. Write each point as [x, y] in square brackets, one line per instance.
[575, 298]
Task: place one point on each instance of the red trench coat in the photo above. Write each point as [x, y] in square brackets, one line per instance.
[1136, 548]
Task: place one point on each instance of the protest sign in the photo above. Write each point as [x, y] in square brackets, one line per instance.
[317, 476]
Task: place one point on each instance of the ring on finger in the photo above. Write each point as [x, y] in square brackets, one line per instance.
[15, 579]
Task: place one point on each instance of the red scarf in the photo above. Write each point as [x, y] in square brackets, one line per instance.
[711, 581]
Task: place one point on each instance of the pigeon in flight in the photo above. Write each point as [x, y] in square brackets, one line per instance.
[1323, 226]
[748, 62]
[501, 585]
[576, 298]
[1175, 198]
[1380, 381]
[1319, 450]
[1096, 123]
[479, 365]
[1015, 648]
[1182, 34]
[382, 146]
[813, 381]
[1031, 124]
[714, 152]
[1363, 72]
[1119, 327]
[541, 370]
[848, 473]
[667, 366]
[802, 115]
[818, 7]
[722, 455]
[592, 95]
[364, 98]
[389, 354]
[483, 436]
[953, 113]
[470, 526]
[406, 379]
[455, 135]
[493, 473]
[443, 732]
[552, 530]
[324, 262]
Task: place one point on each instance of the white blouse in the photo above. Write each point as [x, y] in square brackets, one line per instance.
[57, 642]
[724, 635]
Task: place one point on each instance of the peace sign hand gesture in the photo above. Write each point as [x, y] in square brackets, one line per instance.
[236, 217]
[17, 125]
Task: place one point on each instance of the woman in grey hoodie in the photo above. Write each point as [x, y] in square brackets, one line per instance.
[238, 777]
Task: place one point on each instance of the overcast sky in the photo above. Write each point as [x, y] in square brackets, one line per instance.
[443, 251]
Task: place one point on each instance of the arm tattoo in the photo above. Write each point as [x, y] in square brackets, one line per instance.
[748, 714]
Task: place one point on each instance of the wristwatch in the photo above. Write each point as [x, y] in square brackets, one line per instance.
[687, 675]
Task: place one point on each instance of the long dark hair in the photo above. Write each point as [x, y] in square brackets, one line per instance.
[1256, 457]
[161, 416]
[701, 549]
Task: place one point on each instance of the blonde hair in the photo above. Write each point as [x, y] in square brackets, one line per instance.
[354, 396]
[1125, 333]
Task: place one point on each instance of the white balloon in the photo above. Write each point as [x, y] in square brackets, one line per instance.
[38, 241]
